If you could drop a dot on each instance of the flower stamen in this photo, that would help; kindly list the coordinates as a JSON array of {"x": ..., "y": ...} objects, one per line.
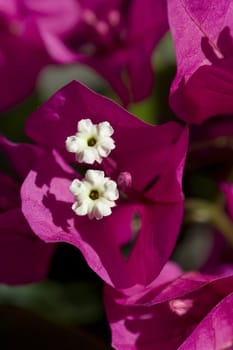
[
  {"x": 91, "y": 142},
  {"x": 94, "y": 195}
]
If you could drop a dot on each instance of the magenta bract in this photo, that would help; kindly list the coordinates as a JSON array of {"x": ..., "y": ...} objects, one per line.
[
  {"x": 153, "y": 156},
  {"x": 117, "y": 39},
  {"x": 23, "y": 257},
  {"x": 202, "y": 34},
  {"x": 25, "y": 28},
  {"x": 193, "y": 311}
]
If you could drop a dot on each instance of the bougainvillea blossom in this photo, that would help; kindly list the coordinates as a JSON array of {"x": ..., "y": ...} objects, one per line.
[
  {"x": 202, "y": 34},
  {"x": 95, "y": 195},
  {"x": 109, "y": 39},
  {"x": 192, "y": 311},
  {"x": 92, "y": 142},
  {"x": 24, "y": 258},
  {"x": 146, "y": 164}
]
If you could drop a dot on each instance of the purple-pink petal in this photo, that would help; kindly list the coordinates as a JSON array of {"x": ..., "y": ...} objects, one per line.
[
  {"x": 215, "y": 331},
  {"x": 20, "y": 156},
  {"x": 23, "y": 257},
  {"x": 46, "y": 193},
  {"x": 62, "y": 112},
  {"x": 135, "y": 139},
  {"x": 202, "y": 36},
  {"x": 153, "y": 156},
  {"x": 25, "y": 26},
  {"x": 182, "y": 314},
  {"x": 122, "y": 53}
]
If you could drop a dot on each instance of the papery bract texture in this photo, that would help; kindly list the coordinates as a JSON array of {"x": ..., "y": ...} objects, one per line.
[
  {"x": 24, "y": 258},
  {"x": 152, "y": 156},
  {"x": 117, "y": 39},
  {"x": 202, "y": 34},
  {"x": 193, "y": 311}
]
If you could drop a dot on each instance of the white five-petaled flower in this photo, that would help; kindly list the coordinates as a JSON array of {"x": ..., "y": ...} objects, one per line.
[
  {"x": 92, "y": 142},
  {"x": 95, "y": 195}
]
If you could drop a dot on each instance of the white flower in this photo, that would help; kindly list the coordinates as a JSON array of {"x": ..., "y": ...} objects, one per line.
[
  {"x": 95, "y": 195},
  {"x": 92, "y": 142}
]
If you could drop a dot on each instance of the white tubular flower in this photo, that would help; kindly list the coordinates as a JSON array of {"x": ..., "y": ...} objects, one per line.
[
  {"x": 95, "y": 195},
  {"x": 92, "y": 142}
]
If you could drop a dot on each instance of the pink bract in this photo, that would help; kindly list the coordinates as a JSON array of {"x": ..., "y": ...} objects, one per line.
[
  {"x": 25, "y": 27},
  {"x": 24, "y": 258},
  {"x": 116, "y": 38},
  {"x": 202, "y": 34},
  {"x": 153, "y": 155},
  {"x": 190, "y": 312}
]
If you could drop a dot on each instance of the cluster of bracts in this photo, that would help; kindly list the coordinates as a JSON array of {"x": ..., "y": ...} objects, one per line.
[{"x": 129, "y": 188}]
